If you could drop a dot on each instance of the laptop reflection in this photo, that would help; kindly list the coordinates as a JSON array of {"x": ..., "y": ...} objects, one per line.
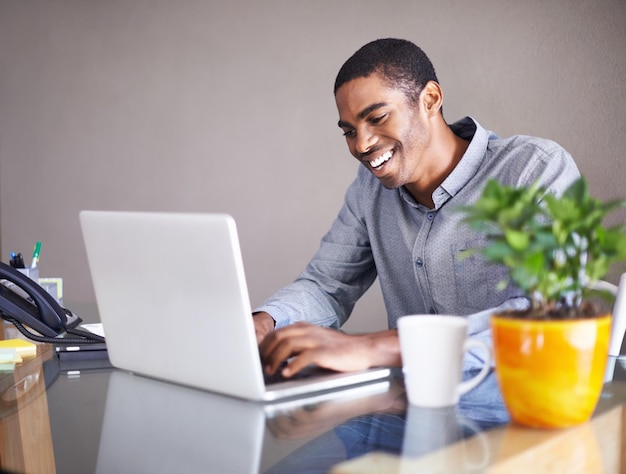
[{"x": 152, "y": 426}]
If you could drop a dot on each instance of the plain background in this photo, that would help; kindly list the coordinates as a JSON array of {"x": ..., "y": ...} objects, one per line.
[{"x": 198, "y": 106}]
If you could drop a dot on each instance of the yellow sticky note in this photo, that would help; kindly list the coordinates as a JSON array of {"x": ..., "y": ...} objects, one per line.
[
  {"x": 7, "y": 367},
  {"x": 8, "y": 356},
  {"x": 23, "y": 348}
]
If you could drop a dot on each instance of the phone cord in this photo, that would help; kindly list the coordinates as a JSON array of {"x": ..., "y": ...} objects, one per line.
[{"x": 86, "y": 337}]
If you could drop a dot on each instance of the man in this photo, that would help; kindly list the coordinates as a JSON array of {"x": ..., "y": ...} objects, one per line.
[{"x": 400, "y": 220}]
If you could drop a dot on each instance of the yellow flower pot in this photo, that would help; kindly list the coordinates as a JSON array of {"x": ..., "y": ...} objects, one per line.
[{"x": 550, "y": 372}]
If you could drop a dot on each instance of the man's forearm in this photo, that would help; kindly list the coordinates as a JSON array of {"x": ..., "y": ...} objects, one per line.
[{"x": 383, "y": 348}]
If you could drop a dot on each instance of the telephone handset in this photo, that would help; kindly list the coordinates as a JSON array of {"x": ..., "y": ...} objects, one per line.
[{"x": 24, "y": 303}]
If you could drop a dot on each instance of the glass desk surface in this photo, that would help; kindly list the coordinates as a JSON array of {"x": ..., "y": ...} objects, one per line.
[{"x": 102, "y": 420}]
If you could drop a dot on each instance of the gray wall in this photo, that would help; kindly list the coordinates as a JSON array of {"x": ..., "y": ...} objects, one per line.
[{"x": 197, "y": 105}]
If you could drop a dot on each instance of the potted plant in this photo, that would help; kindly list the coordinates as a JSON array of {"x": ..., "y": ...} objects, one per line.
[{"x": 550, "y": 359}]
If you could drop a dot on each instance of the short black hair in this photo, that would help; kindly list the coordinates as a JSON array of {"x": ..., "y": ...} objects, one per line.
[{"x": 401, "y": 63}]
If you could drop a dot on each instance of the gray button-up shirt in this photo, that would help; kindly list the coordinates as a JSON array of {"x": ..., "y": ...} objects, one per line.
[{"x": 416, "y": 251}]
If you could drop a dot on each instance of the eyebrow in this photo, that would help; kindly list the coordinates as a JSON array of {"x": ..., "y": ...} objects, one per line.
[{"x": 362, "y": 114}]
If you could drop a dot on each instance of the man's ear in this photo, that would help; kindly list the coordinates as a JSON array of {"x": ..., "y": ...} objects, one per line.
[{"x": 432, "y": 98}]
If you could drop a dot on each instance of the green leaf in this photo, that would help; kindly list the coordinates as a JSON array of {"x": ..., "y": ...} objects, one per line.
[
  {"x": 498, "y": 251},
  {"x": 516, "y": 239}
]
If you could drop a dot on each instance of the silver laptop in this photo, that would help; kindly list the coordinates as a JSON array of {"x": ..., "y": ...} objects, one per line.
[{"x": 173, "y": 301}]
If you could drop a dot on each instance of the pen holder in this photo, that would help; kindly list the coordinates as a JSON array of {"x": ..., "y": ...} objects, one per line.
[
  {"x": 32, "y": 273},
  {"x": 54, "y": 286}
]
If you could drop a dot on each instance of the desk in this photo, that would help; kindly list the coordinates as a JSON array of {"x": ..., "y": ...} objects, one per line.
[{"x": 108, "y": 421}]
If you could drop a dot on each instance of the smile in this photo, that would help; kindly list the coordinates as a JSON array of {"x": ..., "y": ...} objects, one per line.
[{"x": 378, "y": 162}]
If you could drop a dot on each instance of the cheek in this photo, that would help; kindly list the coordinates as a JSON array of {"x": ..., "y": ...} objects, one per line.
[{"x": 415, "y": 138}]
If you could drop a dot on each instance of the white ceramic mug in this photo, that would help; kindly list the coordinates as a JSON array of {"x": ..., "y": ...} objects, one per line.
[{"x": 432, "y": 348}]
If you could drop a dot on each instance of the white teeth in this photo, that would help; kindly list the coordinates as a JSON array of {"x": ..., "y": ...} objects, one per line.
[{"x": 380, "y": 160}]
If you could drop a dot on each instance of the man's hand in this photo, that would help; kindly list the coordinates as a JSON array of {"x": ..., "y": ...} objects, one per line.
[
  {"x": 263, "y": 325},
  {"x": 306, "y": 344}
]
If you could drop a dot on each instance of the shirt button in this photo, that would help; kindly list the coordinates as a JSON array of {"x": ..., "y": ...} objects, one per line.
[
  {"x": 419, "y": 263},
  {"x": 430, "y": 216}
]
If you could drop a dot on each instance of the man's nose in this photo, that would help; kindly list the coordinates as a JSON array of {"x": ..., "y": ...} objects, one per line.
[{"x": 365, "y": 141}]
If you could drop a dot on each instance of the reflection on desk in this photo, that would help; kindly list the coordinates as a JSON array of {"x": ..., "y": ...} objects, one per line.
[
  {"x": 111, "y": 421},
  {"x": 151, "y": 426},
  {"x": 598, "y": 446},
  {"x": 398, "y": 430}
]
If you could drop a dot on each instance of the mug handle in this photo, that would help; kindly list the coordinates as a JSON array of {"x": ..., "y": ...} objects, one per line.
[
  {"x": 467, "y": 385},
  {"x": 484, "y": 446}
]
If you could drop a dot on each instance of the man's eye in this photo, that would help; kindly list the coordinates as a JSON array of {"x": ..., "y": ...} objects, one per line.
[
  {"x": 378, "y": 118},
  {"x": 349, "y": 133}
]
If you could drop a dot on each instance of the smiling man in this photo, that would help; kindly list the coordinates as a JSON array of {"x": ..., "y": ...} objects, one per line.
[{"x": 400, "y": 220}]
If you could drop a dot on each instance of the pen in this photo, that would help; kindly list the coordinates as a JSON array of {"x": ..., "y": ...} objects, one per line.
[
  {"x": 36, "y": 252},
  {"x": 19, "y": 261}
]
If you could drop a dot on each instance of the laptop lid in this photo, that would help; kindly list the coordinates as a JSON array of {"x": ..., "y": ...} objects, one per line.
[{"x": 173, "y": 300}]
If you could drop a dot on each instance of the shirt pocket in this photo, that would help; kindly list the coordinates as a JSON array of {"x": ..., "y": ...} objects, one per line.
[{"x": 477, "y": 280}]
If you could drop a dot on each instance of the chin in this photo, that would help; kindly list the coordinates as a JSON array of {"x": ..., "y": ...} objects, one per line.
[{"x": 389, "y": 183}]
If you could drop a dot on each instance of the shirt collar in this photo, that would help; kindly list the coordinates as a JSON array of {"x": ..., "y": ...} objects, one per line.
[{"x": 468, "y": 129}]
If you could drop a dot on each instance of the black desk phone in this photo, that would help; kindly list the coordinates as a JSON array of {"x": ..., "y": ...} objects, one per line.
[{"x": 24, "y": 303}]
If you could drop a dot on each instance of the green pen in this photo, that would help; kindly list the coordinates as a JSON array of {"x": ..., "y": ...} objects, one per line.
[{"x": 36, "y": 252}]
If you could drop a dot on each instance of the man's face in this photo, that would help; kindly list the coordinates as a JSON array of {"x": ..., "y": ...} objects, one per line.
[{"x": 384, "y": 130}]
